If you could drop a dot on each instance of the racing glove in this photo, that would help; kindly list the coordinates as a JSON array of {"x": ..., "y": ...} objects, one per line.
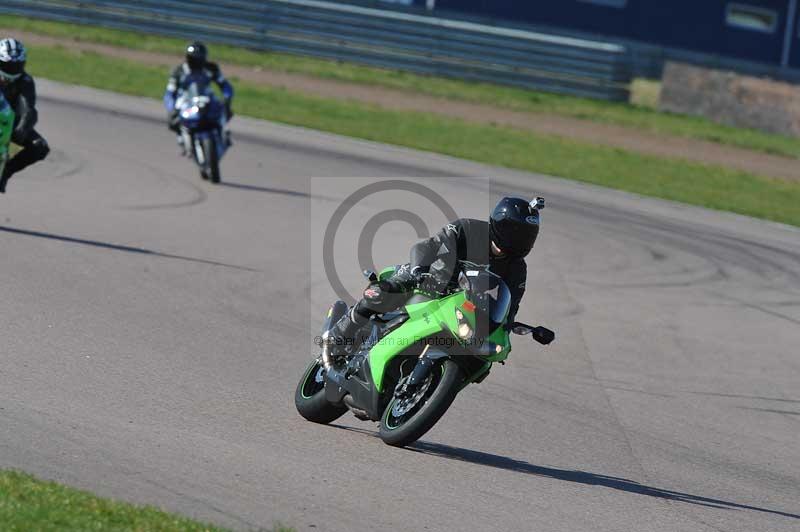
[{"x": 404, "y": 280}]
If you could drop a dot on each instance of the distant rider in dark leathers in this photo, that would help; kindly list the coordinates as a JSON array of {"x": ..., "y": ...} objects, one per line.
[
  {"x": 201, "y": 72},
  {"x": 20, "y": 91},
  {"x": 501, "y": 243}
]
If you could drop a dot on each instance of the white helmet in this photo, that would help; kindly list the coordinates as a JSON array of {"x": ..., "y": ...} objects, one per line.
[{"x": 12, "y": 59}]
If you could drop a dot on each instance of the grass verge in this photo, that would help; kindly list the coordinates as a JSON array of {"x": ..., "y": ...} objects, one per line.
[
  {"x": 27, "y": 503},
  {"x": 640, "y": 115},
  {"x": 693, "y": 183}
]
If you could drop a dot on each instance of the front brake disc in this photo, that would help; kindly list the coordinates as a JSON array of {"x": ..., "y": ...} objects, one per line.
[{"x": 403, "y": 406}]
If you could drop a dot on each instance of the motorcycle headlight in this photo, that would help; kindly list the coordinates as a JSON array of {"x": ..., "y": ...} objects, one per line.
[{"x": 464, "y": 329}]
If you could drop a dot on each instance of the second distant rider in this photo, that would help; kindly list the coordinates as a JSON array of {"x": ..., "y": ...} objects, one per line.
[
  {"x": 197, "y": 70},
  {"x": 19, "y": 90}
]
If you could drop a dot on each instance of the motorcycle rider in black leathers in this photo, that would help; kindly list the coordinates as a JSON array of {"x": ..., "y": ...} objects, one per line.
[
  {"x": 501, "y": 243},
  {"x": 20, "y": 91},
  {"x": 197, "y": 70}
]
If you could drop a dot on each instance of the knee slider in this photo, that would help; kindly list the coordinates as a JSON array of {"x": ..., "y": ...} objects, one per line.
[{"x": 40, "y": 149}]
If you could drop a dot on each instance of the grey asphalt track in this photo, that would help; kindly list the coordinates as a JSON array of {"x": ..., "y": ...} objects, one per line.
[{"x": 154, "y": 327}]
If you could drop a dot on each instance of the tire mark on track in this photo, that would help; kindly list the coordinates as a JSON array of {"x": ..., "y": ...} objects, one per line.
[
  {"x": 198, "y": 194},
  {"x": 750, "y": 304},
  {"x": 78, "y": 165},
  {"x": 742, "y": 396}
]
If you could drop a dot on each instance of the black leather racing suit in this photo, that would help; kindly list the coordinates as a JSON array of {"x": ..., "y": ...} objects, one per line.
[
  {"x": 463, "y": 239},
  {"x": 21, "y": 95}
]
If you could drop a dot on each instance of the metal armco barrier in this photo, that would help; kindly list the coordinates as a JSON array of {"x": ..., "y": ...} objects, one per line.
[{"x": 386, "y": 38}]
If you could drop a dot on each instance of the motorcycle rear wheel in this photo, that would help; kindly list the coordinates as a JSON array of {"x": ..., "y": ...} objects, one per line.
[
  {"x": 401, "y": 430},
  {"x": 309, "y": 397}
]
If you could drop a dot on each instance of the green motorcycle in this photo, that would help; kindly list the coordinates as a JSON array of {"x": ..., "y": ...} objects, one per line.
[
  {"x": 6, "y": 128},
  {"x": 406, "y": 366}
]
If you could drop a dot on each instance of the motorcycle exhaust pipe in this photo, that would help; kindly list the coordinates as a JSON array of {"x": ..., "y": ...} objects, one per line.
[
  {"x": 337, "y": 310},
  {"x": 327, "y": 345}
]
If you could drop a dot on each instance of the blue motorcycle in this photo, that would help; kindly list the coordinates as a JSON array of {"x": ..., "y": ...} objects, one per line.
[{"x": 201, "y": 119}]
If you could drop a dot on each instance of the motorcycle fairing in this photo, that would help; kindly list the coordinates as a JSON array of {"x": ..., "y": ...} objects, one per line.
[
  {"x": 425, "y": 320},
  {"x": 6, "y": 129},
  {"x": 358, "y": 383}
]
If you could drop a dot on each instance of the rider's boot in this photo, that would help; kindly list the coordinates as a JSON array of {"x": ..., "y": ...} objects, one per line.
[
  {"x": 12, "y": 167},
  {"x": 4, "y": 179},
  {"x": 226, "y": 132},
  {"x": 181, "y": 145},
  {"x": 32, "y": 152},
  {"x": 342, "y": 335}
]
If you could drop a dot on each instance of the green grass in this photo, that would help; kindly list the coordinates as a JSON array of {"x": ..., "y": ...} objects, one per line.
[
  {"x": 641, "y": 115},
  {"x": 27, "y": 504},
  {"x": 693, "y": 183}
]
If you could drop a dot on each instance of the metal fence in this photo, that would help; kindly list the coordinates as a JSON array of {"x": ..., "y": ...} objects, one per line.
[{"x": 387, "y": 38}]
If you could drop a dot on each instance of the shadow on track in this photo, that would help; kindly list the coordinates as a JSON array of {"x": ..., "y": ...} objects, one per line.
[
  {"x": 580, "y": 477},
  {"x": 116, "y": 247}
]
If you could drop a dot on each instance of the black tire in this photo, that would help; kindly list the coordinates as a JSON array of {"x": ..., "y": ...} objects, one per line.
[
  {"x": 309, "y": 398},
  {"x": 448, "y": 378},
  {"x": 212, "y": 159}
]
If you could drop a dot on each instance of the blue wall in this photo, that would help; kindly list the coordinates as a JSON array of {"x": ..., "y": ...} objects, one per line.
[{"x": 697, "y": 25}]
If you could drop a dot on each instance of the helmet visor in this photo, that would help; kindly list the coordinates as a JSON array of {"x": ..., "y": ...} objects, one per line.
[
  {"x": 11, "y": 70},
  {"x": 514, "y": 239},
  {"x": 195, "y": 62}
]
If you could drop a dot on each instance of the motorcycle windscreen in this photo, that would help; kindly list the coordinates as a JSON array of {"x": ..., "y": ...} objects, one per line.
[
  {"x": 500, "y": 304},
  {"x": 492, "y": 300}
]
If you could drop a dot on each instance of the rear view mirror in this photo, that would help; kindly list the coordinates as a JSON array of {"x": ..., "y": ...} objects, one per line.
[
  {"x": 543, "y": 335},
  {"x": 371, "y": 276}
]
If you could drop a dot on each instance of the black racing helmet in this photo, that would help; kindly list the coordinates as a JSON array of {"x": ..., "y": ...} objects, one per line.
[
  {"x": 514, "y": 225},
  {"x": 196, "y": 55}
]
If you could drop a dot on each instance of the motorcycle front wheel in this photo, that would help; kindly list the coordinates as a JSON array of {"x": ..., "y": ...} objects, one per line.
[
  {"x": 309, "y": 397},
  {"x": 211, "y": 167},
  {"x": 406, "y": 419}
]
